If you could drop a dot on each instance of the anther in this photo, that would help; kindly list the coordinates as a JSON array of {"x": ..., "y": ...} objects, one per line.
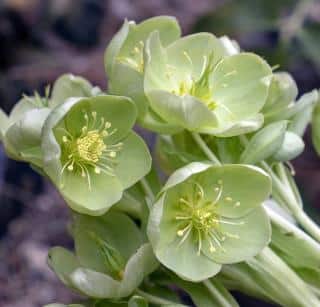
[
  {"x": 237, "y": 204},
  {"x": 228, "y": 198},
  {"x": 64, "y": 139}
]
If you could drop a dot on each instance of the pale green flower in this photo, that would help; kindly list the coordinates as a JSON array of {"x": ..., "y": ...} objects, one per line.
[
  {"x": 124, "y": 62},
  {"x": 196, "y": 84},
  {"x": 110, "y": 260},
  {"x": 207, "y": 216},
  {"x": 90, "y": 152}
]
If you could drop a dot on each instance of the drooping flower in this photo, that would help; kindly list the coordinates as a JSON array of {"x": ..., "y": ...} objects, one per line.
[
  {"x": 207, "y": 216},
  {"x": 103, "y": 266},
  {"x": 196, "y": 84},
  {"x": 90, "y": 152}
]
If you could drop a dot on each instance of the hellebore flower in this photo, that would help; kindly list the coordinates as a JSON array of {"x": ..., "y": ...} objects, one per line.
[
  {"x": 196, "y": 84},
  {"x": 21, "y": 130},
  {"x": 110, "y": 259},
  {"x": 90, "y": 152},
  {"x": 207, "y": 216},
  {"x": 124, "y": 62}
]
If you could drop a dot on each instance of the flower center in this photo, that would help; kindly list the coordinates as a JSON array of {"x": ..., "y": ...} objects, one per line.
[
  {"x": 135, "y": 58},
  {"x": 200, "y": 219},
  {"x": 88, "y": 150},
  {"x": 200, "y": 88},
  {"x": 91, "y": 146}
]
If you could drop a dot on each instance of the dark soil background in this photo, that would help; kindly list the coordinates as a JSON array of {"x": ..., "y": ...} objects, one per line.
[{"x": 39, "y": 40}]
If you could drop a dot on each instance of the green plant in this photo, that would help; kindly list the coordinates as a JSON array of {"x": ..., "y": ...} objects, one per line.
[{"x": 227, "y": 127}]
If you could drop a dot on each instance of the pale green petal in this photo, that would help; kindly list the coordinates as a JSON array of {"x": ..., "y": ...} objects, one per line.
[
  {"x": 115, "y": 46},
  {"x": 251, "y": 237},
  {"x": 116, "y": 229},
  {"x": 127, "y": 81},
  {"x": 190, "y": 52},
  {"x": 240, "y": 86},
  {"x": 119, "y": 111},
  {"x": 244, "y": 188},
  {"x": 23, "y": 138},
  {"x": 95, "y": 284},
  {"x": 63, "y": 263},
  {"x": 283, "y": 90},
  {"x": 105, "y": 191},
  {"x": 167, "y": 27},
  {"x": 134, "y": 160},
  {"x": 4, "y": 123},
  {"x": 20, "y": 108},
  {"x": 68, "y": 86},
  {"x": 292, "y": 146},
  {"x": 236, "y": 128},
  {"x": 153, "y": 122},
  {"x": 183, "y": 259},
  {"x": 184, "y": 173},
  {"x": 264, "y": 143},
  {"x": 186, "y": 111}
]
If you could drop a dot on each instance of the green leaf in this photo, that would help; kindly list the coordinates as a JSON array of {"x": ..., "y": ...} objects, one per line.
[{"x": 264, "y": 143}]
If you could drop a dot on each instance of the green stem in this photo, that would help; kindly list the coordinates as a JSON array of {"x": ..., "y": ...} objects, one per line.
[
  {"x": 286, "y": 193},
  {"x": 154, "y": 299},
  {"x": 291, "y": 228},
  {"x": 216, "y": 293},
  {"x": 147, "y": 189},
  {"x": 284, "y": 189},
  {"x": 204, "y": 147}
]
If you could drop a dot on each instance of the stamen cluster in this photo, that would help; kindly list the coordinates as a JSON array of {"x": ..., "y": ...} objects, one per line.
[
  {"x": 89, "y": 149},
  {"x": 201, "y": 220}
]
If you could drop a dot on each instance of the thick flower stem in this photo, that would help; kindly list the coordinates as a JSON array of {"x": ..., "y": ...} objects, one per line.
[
  {"x": 291, "y": 228},
  {"x": 204, "y": 147},
  {"x": 217, "y": 295},
  {"x": 284, "y": 190},
  {"x": 282, "y": 187},
  {"x": 154, "y": 299}
]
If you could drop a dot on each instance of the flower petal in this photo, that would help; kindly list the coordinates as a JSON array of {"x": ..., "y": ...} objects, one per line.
[
  {"x": 183, "y": 258},
  {"x": 240, "y": 86},
  {"x": 243, "y": 241},
  {"x": 115, "y": 228},
  {"x": 134, "y": 160},
  {"x": 244, "y": 187},
  {"x": 187, "y": 111}
]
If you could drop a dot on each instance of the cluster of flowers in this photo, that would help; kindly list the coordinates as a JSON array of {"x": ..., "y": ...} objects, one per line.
[{"x": 227, "y": 126}]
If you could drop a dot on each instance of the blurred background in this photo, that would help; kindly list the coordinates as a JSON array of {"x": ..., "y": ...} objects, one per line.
[{"x": 40, "y": 40}]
